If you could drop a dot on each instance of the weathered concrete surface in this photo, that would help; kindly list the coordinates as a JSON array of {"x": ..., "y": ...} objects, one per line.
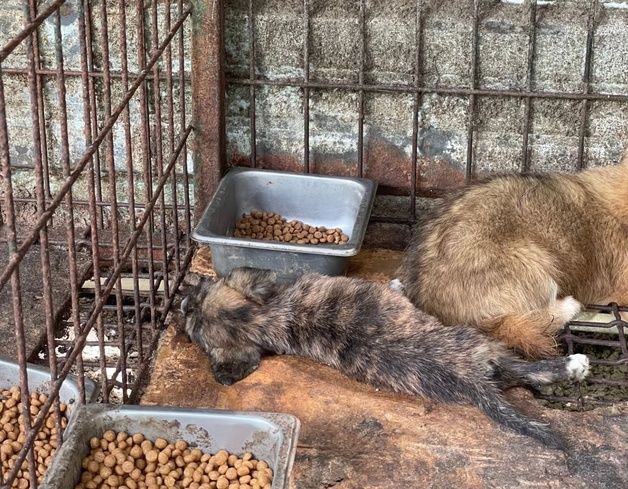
[
  {"x": 445, "y": 61},
  {"x": 32, "y": 298},
  {"x": 353, "y": 436}
]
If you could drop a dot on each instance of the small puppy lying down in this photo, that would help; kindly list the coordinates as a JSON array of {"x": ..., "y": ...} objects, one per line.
[{"x": 369, "y": 332}]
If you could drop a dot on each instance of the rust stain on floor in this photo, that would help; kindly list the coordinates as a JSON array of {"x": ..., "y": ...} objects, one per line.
[{"x": 353, "y": 436}]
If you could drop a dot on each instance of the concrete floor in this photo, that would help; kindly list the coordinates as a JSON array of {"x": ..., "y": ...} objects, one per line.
[
  {"x": 353, "y": 436},
  {"x": 32, "y": 297}
]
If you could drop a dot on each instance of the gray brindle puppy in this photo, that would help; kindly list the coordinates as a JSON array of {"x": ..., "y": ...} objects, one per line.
[{"x": 367, "y": 331}]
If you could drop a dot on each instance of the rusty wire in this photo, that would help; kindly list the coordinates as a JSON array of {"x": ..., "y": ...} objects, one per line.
[{"x": 120, "y": 244}]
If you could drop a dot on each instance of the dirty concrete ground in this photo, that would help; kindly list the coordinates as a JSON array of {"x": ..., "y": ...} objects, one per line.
[
  {"x": 32, "y": 297},
  {"x": 353, "y": 436}
]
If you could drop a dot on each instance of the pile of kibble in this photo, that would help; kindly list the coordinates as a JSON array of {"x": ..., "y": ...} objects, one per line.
[
  {"x": 13, "y": 434},
  {"x": 123, "y": 461},
  {"x": 271, "y": 226}
]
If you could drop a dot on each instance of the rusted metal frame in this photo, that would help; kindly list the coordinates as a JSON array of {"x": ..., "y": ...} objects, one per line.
[
  {"x": 170, "y": 101},
  {"x": 40, "y": 191},
  {"x": 470, "y": 167},
  {"x": 586, "y": 76},
  {"x": 81, "y": 202},
  {"x": 306, "y": 90},
  {"x": 602, "y": 381},
  {"x": 117, "y": 75},
  {"x": 99, "y": 301},
  {"x": 146, "y": 156},
  {"x": 113, "y": 193},
  {"x": 65, "y": 162},
  {"x": 80, "y": 166},
  {"x": 418, "y": 78},
  {"x": 392, "y": 88},
  {"x": 143, "y": 370},
  {"x": 525, "y": 154},
  {"x": 43, "y": 138},
  {"x": 29, "y": 28},
  {"x": 159, "y": 142},
  {"x": 252, "y": 76},
  {"x": 155, "y": 337},
  {"x": 93, "y": 109},
  {"x": 208, "y": 99},
  {"x": 362, "y": 22},
  {"x": 126, "y": 120},
  {"x": 182, "y": 124},
  {"x": 88, "y": 129}
]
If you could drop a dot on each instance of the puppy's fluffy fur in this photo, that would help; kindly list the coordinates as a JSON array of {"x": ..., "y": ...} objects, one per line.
[
  {"x": 517, "y": 255},
  {"x": 367, "y": 331}
]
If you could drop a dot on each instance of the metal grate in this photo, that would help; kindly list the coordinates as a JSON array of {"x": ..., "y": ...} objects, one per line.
[
  {"x": 99, "y": 173},
  {"x": 603, "y": 338},
  {"x": 473, "y": 92}
]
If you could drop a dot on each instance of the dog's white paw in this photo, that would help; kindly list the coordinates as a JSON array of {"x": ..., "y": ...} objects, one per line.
[
  {"x": 396, "y": 284},
  {"x": 569, "y": 308},
  {"x": 577, "y": 366}
]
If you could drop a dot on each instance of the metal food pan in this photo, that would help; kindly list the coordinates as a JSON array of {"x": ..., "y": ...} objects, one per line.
[
  {"x": 268, "y": 436},
  {"x": 333, "y": 202},
  {"x": 39, "y": 381}
]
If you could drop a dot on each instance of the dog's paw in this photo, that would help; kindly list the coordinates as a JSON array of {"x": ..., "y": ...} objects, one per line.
[
  {"x": 577, "y": 366},
  {"x": 396, "y": 284}
]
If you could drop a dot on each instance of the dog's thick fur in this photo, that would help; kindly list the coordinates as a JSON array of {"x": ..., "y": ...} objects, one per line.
[
  {"x": 367, "y": 331},
  {"x": 517, "y": 255}
]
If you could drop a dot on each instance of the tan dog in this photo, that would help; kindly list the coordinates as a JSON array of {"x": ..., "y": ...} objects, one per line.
[{"x": 516, "y": 256}]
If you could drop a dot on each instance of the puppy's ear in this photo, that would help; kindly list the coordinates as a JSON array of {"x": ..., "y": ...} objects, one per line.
[
  {"x": 254, "y": 284},
  {"x": 193, "y": 294}
]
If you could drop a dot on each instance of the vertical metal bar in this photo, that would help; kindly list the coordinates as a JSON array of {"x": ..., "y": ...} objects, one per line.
[
  {"x": 40, "y": 102},
  {"x": 418, "y": 74},
  {"x": 146, "y": 158},
  {"x": 474, "y": 76},
  {"x": 94, "y": 212},
  {"x": 65, "y": 161},
  {"x": 113, "y": 194},
  {"x": 159, "y": 149},
  {"x": 361, "y": 92},
  {"x": 525, "y": 154},
  {"x": 306, "y": 90},
  {"x": 36, "y": 100},
  {"x": 93, "y": 109},
  {"x": 584, "y": 105},
  {"x": 182, "y": 122},
  {"x": 170, "y": 100},
  {"x": 208, "y": 99},
  {"x": 252, "y": 77},
  {"x": 128, "y": 144}
]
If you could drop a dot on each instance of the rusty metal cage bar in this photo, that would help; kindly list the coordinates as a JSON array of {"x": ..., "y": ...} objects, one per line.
[{"x": 119, "y": 235}]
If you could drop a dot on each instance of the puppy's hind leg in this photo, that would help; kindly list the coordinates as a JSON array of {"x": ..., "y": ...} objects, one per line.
[
  {"x": 513, "y": 371},
  {"x": 532, "y": 334}
]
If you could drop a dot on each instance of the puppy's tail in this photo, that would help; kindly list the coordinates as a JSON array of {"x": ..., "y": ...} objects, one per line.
[
  {"x": 495, "y": 407},
  {"x": 449, "y": 387}
]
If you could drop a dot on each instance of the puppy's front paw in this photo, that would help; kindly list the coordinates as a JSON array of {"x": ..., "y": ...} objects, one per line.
[
  {"x": 577, "y": 366},
  {"x": 230, "y": 373}
]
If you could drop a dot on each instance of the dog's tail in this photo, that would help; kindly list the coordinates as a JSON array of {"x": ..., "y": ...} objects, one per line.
[{"x": 447, "y": 386}]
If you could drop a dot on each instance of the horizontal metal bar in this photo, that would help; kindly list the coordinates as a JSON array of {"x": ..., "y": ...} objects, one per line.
[
  {"x": 45, "y": 216},
  {"x": 436, "y": 90},
  {"x": 82, "y": 202},
  {"x": 29, "y": 29},
  {"x": 78, "y": 74}
]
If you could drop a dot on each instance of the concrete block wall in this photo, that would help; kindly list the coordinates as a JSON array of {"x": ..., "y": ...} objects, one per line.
[
  {"x": 445, "y": 61},
  {"x": 12, "y": 19}
]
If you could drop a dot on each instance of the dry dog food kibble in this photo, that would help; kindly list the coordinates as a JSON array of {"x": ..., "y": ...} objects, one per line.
[
  {"x": 271, "y": 226},
  {"x": 13, "y": 434},
  {"x": 122, "y": 461}
]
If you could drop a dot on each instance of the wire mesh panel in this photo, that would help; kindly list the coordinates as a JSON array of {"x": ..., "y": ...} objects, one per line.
[
  {"x": 96, "y": 198},
  {"x": 422, "y": 96}
]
